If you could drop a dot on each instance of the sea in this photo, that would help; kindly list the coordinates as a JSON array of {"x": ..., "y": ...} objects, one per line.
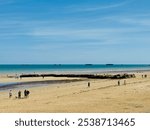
[{"x": 70, "y": 68}]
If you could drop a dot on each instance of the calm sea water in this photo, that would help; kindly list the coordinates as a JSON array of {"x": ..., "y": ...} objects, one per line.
[{"x": 14, "y": 69}]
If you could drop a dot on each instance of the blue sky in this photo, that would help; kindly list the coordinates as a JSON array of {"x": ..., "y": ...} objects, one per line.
[{"x": 74, "y": 31}]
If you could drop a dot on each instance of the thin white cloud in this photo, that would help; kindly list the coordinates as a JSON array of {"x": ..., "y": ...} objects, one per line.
[
  {"x": 98, "y": 7},
  {"x": 134, "y": 20},
  {"x": 92, "y": 37},
  {"x": 82, "y": 32}
]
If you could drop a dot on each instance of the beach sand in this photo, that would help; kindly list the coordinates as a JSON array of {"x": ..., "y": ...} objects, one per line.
[{"x": 104, "y": 95}]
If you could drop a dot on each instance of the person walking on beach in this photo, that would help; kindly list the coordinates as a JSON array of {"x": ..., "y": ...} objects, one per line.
[
  {"x": 10, "y": 93},
  {"x": 119, "y": 83},
  {"x": 25, "y": 93},
  {"x": 89, "y": 84},
  {"x": 125, "y": 82},
  {"x": 19, "y": 94}
]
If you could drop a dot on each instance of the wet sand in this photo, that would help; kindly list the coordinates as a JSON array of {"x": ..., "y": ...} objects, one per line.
[{"x": 104, "y": 95}]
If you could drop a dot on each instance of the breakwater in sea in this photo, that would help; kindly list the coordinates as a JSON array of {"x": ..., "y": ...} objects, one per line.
[{"x": 91, "y": 76}]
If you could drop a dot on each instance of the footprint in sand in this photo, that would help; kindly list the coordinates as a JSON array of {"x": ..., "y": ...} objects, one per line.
[
  {"x": 108, "y": 98},
  {"x": 126, "y": 108},
  {"x": 136, "y": 105}
]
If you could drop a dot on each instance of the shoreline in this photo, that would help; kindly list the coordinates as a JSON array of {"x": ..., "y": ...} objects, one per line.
[
  {"x": 31, "y": 84},
  {"x": 63, "y": 78},
  {"x": 5, "y": 74}
]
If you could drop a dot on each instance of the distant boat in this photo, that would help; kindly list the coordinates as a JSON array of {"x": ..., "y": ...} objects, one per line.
[
  {"x": 57, "y": 64},
  {"x": 88, "y": 64},
  {"x": 109, "y": 64}
]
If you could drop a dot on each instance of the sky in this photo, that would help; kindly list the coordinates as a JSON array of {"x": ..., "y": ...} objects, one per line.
[{"x": 74, "y": 31}]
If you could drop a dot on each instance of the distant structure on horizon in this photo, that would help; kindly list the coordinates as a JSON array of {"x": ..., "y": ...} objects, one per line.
[
  {"x": 88, "y": 64},
  {"x": 109, "y": 64}
]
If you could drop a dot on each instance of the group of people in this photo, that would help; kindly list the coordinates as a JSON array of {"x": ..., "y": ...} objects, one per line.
[
  {"x": 26, "y": 94},
  {"x": 119, "y": 83},
  {"x": 144, "y": 76}
]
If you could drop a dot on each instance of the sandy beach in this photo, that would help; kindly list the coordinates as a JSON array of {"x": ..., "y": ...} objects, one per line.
[{"x": 103, "y": 95}]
